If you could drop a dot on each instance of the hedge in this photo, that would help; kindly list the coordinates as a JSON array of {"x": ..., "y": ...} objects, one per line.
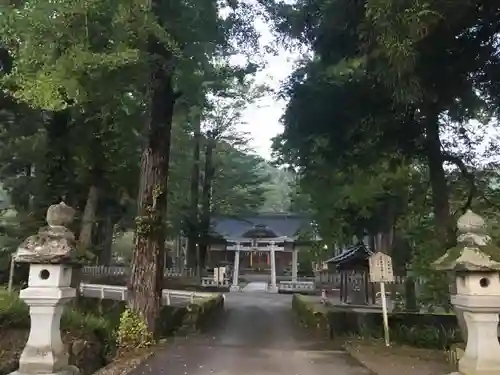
[{"x": 437, "y": 331}]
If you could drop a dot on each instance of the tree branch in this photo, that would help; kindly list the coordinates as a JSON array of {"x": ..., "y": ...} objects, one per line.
[{"x": 467, "y": 175}]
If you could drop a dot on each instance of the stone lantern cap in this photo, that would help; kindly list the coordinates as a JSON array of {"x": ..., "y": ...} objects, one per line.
[
  {"x": 474, "y": 251},
  {"x": 53, "y": 244}
]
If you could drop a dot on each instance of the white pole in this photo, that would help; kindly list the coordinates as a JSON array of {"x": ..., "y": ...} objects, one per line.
[
  {"x": 11, "y": 273},
  {"x": 384, "y": 314},
  {"x": 274, "y": 288},
  {"x": 235, "y": 286},
  {"x": 295, "y": 263}
]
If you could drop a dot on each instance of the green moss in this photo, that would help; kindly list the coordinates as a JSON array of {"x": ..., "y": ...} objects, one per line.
[
  {"x": 311, "y": 315},
  {"x": 200, "y": 314},
  {"x": 454, "y": 253}
]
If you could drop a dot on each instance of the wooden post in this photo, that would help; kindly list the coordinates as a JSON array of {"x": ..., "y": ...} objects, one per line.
[
  {"x": 366, "y": 287},
  {"x": 341, "y": 286},
  {"x": 381, "y": 271}
]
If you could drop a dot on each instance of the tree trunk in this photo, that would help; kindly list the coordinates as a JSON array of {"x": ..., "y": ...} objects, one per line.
[
  {"x": 106, "y": 239},
  {"x": 193, "y": 221},
  {"x": 445, "y": 227},
  {"x": 145, "y": 287},
  {"x": 206, "y": 200},
  {"x": 88, "y": 218},
  {"x": 58, "y": 165}
]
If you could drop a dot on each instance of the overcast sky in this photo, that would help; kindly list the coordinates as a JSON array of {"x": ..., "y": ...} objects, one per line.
[{"x": 261, "y": 120}]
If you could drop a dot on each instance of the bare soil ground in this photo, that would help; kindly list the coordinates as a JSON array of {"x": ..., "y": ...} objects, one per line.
[
  {"x": 398, "y": 360},
  {"x": 11, "y": 345}
]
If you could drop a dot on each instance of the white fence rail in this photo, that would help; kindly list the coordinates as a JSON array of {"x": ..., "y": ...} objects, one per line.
[
  {"x": 119, "y": 293},
  {"x": 119, "y": 271},
  {"x": 210, "y": 281},
  {"x": 325, "y": 277},
  {"x": 296, "y": 286}
]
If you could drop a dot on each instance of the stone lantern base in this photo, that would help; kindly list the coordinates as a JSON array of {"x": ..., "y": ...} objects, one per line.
[
  {"x": 69, "y": 370},
  {"x": 47, "y": 293}
]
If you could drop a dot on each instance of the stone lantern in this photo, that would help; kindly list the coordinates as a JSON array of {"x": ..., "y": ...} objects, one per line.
[
  {"x": 50, "y": 254},
  {"x": 475, "y": 263}
]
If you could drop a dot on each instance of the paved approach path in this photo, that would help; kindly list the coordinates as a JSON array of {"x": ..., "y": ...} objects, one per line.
[{"x": 257, "y": 335}]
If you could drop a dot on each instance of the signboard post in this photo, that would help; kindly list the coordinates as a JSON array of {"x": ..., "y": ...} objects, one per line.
[{"x": 381, "y": 272}]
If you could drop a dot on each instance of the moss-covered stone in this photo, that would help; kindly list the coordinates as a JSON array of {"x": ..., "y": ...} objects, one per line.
[
  {"x": 313, "y": 316},
  {"x": 463, "y": 258},
  {"x": 474, "y": 251},
  {"x": 202, "y": 313}
]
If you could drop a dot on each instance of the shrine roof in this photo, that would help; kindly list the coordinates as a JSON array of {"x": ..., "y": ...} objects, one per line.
[
  {"x": 352, "y": 254},
  {"x": 259, "y": 225}
]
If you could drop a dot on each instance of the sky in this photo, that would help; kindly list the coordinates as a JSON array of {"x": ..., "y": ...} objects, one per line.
[{"x": 262, "y": 119}]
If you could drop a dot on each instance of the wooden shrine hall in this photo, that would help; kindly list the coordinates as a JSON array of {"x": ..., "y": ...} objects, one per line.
[
  {"x": 261, "y": 243},
  {"x": 352, "y": 266}
]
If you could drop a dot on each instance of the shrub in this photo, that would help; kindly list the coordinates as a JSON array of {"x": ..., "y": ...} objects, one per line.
[
  {"x": 133, "y": 332},
  {"x": 13, "y": 312}
]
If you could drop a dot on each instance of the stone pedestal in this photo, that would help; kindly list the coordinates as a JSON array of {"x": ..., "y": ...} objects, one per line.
[
  {"x": 475, "y": 262},
  {"x": 50, "y": 254},
  {"x": 47, "y": 292},
  {"x": 482, "y": 354}
]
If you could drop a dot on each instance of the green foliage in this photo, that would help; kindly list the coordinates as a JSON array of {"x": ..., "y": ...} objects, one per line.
[
  {"x": 240, "y": 184},
  {"x": 133, "y": 332},
  {"x": 13, "y": 311},
  {"x": 89, "y": 60},
  {"x": 279, "y": 190},
  {"x": 392, "y": 88}
]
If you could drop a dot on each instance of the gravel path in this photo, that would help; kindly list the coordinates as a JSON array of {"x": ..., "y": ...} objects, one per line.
[{"x": 256, "y": 336}]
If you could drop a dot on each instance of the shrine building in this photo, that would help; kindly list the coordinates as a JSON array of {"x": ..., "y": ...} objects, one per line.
[{"x": 256, "y": 238}]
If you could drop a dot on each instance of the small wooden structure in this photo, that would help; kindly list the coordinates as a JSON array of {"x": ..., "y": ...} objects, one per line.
[{"x": 352, "y": 264}]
